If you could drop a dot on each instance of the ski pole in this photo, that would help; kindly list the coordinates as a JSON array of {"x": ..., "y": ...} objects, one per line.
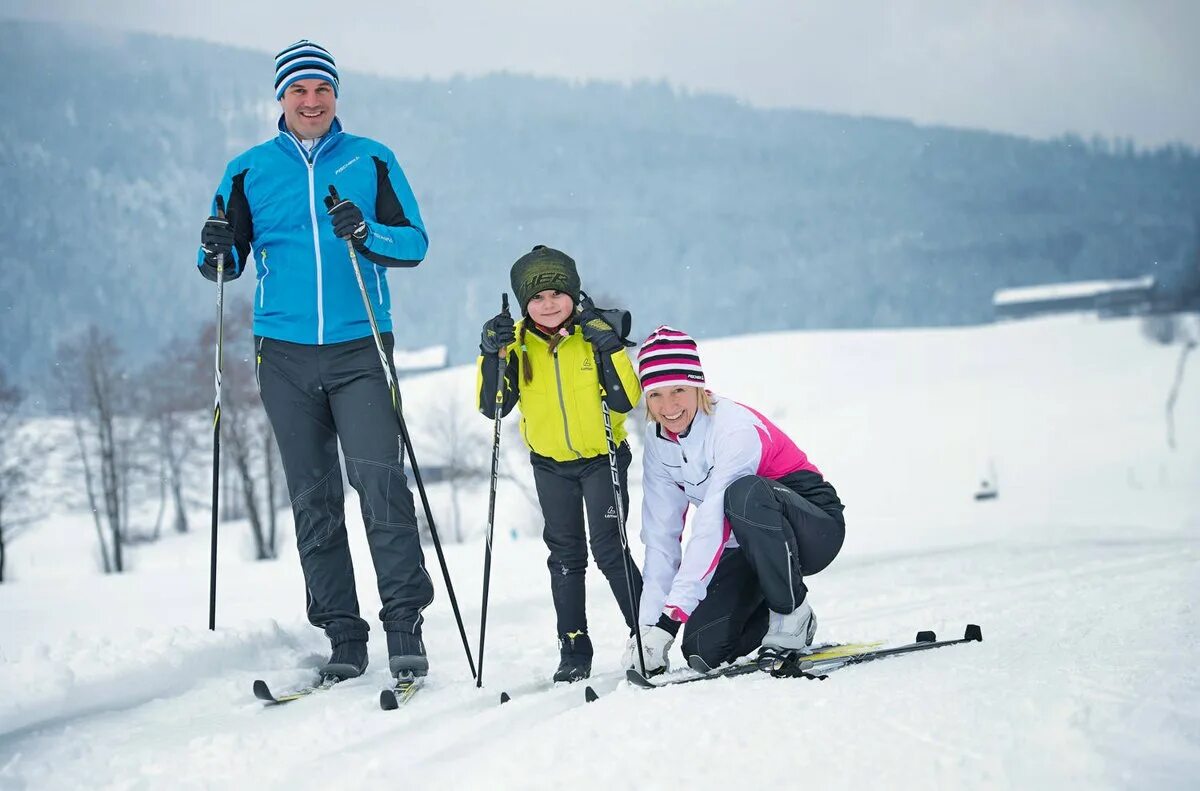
[
  {"x": 404, "y": 439},
  {"x": 616, "y": 487},
  {"x": 501, "y": 365},
  {"x": 212, "y": 572}
]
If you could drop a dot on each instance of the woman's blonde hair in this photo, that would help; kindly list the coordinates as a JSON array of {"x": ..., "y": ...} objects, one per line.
[{"x": 704, "y": 403}]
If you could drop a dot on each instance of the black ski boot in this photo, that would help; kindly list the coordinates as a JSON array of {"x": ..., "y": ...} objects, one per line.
[
  {"x": 406, "y": 653},
  {"x": 575, "y": 652},
  {"x": 349, "y": 658}
]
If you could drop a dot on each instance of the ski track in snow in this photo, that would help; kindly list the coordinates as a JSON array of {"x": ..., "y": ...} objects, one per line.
[{"x": 947, "y": 717}]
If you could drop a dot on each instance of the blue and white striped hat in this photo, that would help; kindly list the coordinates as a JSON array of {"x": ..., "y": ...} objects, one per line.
[{"x": 304, "y": 60}]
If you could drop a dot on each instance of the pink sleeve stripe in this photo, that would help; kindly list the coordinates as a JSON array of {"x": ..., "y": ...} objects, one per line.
[{"x": 725, "y": 531}]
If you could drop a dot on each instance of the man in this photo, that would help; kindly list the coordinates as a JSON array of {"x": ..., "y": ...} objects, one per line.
[{"x": 319, "y": 372}]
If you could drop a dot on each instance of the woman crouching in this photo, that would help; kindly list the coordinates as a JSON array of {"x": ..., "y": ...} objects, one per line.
[{"x": 765, "y": 519}]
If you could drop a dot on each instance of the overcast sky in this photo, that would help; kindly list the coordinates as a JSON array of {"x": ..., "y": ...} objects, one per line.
[{"x": 1113, "y": 67}]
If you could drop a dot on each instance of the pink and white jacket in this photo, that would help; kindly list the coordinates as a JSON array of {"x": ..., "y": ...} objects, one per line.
[{"x": 695, "y": 469}]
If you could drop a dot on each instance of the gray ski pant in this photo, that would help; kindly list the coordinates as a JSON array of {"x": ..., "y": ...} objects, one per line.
[
  {"x": 783, "y": 538},
  {"x": 315, "y": 396}
]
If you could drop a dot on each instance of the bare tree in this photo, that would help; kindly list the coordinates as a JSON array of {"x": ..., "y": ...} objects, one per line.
[
  {"x": 17, "y": 454},
  {"x": 172, "y": 399},
  {"x": 92, "y": 376},
  {"x": 461, "y": 452},
  {"x": 462, "y": 456},
  {"x": 1182, "y": 329},
  {"x": 251, "y": 488}
]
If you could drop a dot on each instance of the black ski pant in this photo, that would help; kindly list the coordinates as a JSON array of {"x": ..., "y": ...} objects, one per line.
[
  {"x": 314, "y": 397},
  {"x": 565, "y": 489},
  {"x": 782, "y": 539}
]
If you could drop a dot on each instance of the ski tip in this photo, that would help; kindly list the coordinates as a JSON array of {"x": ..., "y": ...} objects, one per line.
[
  {"x": 926, "y": 637},
  {"x": 589, "y": 694},
  {"x": 638, "y": 680},
  {"x": 973, "y": 633},
  {"x": 387, "y": 700},
  {"x": 504, "y": 698},
  {"x": 261, "y": 691}
]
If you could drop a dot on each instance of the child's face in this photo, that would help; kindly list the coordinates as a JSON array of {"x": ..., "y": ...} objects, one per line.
[
  {"x": 550, "y": 308},
  {"x": 673, "y": 406}
]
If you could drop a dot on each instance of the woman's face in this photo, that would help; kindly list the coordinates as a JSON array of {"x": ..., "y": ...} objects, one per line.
[
  {"x": 550, "y": 308},
  {"x": 673, "y": 406}
]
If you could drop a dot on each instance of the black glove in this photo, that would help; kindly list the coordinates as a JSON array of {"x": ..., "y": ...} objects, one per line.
[
  {"x": 498, "y": 332},
  {"x": 217, "y": 239},
  {"x": 598, "y": 332},
  {"x": 348, "y": 222}
]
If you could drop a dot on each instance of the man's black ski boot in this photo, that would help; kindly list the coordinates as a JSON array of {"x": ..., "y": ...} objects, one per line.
[
  {"x": 406, "y": 654},
  {"x": 575, "y": 652},
  {"x": 349, "y": 658}
]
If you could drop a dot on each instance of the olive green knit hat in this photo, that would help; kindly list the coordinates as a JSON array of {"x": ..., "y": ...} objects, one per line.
[{"x": 542, "y": 268}]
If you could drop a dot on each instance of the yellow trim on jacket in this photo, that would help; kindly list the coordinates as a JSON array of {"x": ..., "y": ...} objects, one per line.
[{"x": 560, "y": 408}]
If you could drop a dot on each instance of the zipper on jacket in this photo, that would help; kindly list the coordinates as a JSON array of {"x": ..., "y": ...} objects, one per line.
[
  {"x": 312, "y": 213},
  {"x": 562, "y": 403},
  {"x": 312, "y": 210},
  {"x": 262, "y": 283}
]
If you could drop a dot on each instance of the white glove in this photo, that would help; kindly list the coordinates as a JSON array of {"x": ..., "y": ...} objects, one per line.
[{"x": 656, "y": 642}]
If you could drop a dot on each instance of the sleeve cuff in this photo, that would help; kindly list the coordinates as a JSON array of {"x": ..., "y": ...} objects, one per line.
[{"x": 668, "y": 625}]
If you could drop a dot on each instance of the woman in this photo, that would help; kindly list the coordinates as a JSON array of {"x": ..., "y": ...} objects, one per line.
[{"x": 765, "y": 519}]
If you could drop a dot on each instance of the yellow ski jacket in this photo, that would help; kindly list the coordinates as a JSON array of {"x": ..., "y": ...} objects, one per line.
[{"x": 560, "y": 407}]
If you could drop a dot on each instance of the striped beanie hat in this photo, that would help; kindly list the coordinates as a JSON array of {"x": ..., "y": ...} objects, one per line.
[
  {"x": 304, "y": 60},
  {"x": 669, "y": 358}
]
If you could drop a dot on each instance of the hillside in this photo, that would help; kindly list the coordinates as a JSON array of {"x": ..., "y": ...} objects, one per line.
[{"x": 690, "y": 207}]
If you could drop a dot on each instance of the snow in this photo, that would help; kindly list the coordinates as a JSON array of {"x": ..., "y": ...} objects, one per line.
[
  {"x": 1083, "y": 574},
  {"x": 421, "y": 359},
  {"x": 1074, "y": 290}
]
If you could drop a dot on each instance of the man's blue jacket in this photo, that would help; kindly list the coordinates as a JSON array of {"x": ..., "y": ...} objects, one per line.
[{"x": 274, "y": 198}]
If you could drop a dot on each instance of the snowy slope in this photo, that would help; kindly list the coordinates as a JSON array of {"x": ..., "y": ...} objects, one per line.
[{"x": 1083, "y": 575}]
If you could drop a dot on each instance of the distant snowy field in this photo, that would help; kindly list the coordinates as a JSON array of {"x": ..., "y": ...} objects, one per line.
[{"x": 1083, "y": 574}]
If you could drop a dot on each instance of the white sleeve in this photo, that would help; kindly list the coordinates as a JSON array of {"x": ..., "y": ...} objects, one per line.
[
  {"x": 737, "y": 453},
  {"x": 664, "y": 506}
]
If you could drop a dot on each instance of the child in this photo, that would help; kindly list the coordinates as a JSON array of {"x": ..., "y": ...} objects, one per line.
[
  {"x": 766, "y": 519},
  {"x": 552, "y": 355}
]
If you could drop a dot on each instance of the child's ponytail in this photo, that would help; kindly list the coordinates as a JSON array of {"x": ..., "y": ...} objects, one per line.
[{"x": 525, "y": 355}]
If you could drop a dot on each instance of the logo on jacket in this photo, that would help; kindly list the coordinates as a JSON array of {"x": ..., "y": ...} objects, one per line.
[{"x": 343, "y": 167}]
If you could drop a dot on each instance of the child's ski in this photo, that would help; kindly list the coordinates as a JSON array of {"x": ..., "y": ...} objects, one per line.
[{"x": 401, "y": 692}]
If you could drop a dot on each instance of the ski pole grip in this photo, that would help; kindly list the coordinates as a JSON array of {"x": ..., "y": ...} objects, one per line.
[
  {"x": 220, "y": 207},
  {"x": 504, "y": 303},
  {"x": 332, "y": 198}
]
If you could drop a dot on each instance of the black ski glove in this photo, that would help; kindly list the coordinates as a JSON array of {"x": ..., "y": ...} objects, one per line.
[
  {"x": 498, "y": 332},
  {"x": 217, "y": 239},
  {"x": 598, "y": 332},
  {"x": 348, "y": 222}
]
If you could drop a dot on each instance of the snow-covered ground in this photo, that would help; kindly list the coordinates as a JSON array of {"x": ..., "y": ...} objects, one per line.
[{"x": 1083, "y": 574}]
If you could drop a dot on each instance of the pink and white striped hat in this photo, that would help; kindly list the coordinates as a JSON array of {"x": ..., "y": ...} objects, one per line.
[{"x": 668, "y": 358}]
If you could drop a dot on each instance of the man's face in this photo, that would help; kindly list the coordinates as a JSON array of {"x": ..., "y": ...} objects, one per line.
[{"x": 308, "y": 108}]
